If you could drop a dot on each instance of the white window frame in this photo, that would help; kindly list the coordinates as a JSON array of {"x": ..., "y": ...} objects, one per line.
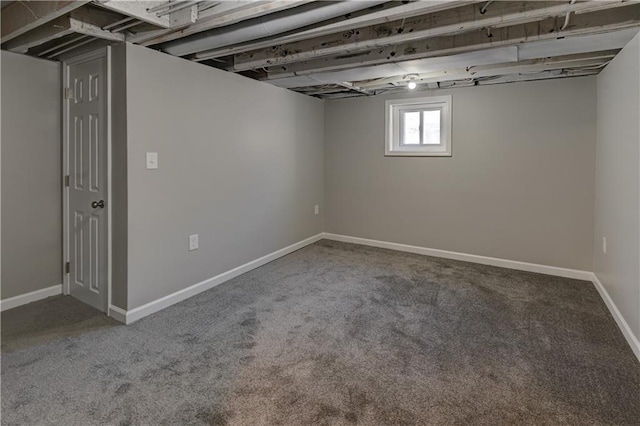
[{"x": 393, "y": 127}]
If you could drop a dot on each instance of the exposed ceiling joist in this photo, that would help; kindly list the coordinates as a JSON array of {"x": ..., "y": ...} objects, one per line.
[
  {"x": 452, "y": 84},
  {"x": 80, "y": 42},
  {"x": 545, "y": 75},
  {"x": 81, "y": 26},
  {"x": 448, "y": 22},
  {"x": 349, "y": 48},
  {"x": 72, "y": 41},
  {"x": 268, "y": 26},
  {"x": 227, "y": 13},
  {"x": 23, "y": 16},
  {"x": 355, "y": 88},
  {"x": 314, "y": 90},
  {"x": 589, "y": 23},
  {"x": 218, "y": 9},
  {"x": 385, "y": 15},
  {"x": 582, "y": 60},
  {"x": 52, "y": 30},
  {"x": 333, "y": 96},
  {"x": 80, "y": 21}
]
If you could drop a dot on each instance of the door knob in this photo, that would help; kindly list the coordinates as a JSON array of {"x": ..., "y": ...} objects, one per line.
[{"x": 97, "y": 204}]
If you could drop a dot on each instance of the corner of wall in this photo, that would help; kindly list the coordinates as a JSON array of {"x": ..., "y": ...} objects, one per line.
[
  {"x": 617, "y": 200},
  {"x": 119, "y": 190}
]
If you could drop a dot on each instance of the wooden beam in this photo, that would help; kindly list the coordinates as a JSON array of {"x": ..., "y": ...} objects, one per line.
[
  {"x": 583, "y": 24},
  {"x": 232, "y": 14},
  {"x": 389, "y": 12},
  {"x": 93, "y": 30},
  {"x": 448, "y": 22},
  {"x": 22, "y": 16}
]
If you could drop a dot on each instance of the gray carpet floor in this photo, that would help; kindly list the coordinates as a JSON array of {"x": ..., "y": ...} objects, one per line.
[{"x": 332, "y": 334}]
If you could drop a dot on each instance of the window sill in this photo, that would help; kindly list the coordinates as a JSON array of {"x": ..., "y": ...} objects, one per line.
[{"x": 417, "y": 154}]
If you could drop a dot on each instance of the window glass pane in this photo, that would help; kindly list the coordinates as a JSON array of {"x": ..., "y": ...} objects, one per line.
[
  {"x": 431, "y": 129},
  {"x": 411, "y": 128}
]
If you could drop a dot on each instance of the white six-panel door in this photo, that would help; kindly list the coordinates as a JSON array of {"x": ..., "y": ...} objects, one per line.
[{"x": 86, "y": 103}]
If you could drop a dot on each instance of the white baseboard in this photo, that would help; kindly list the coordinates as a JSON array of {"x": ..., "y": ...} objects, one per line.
[
  {"x": 118, "y": 314},
  {"x": 23, "y": 299},
  {"x": 484, "y": 260},
  {"x": 135, "y": 314},
  {"x": 511, "y": 264},
  {"x": 615, "y": 313}
]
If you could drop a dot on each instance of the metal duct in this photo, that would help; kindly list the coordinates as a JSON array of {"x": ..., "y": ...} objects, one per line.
[{"x": 264, "y": 26}]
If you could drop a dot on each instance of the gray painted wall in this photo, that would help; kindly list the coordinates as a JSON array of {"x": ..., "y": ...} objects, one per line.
[
  {"x": 240, "y": 164},
  {"x": 520, "y": 183},
  {"x": 31, "y": 175},
  {"x": 239, "y": 158},
  {"x": 617, "y": 203}
]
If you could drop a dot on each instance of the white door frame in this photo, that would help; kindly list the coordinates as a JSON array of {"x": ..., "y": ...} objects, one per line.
[{"x": 66, "y": 255}]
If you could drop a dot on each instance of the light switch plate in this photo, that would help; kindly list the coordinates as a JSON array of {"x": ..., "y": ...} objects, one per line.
[
  {"x": 316, "y": 209},
  {"x": 152, "y": 160},
  {"x": 193, "y": 242}
]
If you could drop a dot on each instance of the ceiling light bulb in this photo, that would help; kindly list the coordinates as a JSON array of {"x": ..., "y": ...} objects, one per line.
[{"x": 412, "y": 85}]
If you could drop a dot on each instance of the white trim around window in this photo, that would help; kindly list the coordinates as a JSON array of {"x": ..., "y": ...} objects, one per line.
[{"x": 419, "y": 138}]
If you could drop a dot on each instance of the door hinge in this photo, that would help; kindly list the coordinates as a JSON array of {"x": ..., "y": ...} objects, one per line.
[
  {"x": 66, "y": 180},
  {"x": 67, "y": 267},
  {"x": 68, "y": 93}
]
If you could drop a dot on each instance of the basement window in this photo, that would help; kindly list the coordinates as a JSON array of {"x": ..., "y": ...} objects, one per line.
[{"x": 418, "y": 127}]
